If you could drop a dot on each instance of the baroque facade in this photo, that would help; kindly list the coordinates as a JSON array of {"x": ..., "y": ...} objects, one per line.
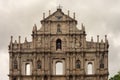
[{"x": 58, "y": 51}]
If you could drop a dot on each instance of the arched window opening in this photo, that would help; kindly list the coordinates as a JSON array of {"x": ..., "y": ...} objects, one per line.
[
  {"x": 70, "y": 77},
  {"x": 45, "y": 77},
  {"x": 14, "y": 78},
  {"x": 58, "y": 28},
  {"x": 90, "y": 68},
  {"x": 15, "y": 64},
  {"x": 59, "y": 68},
  {"x": 78, "y": 64},
  {"x": 38, "y": 64},
  {"x": 58, "y": 44},
  {"x": 27, "y": 69}
]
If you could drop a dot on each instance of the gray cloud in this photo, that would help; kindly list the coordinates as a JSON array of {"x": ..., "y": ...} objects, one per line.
[{"x": 99, "y": 16}]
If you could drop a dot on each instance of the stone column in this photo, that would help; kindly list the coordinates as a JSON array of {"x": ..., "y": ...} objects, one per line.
[
  {"x": 19, "y": 66},
  {"x": 46, "y": 62},
  {"x": 34, "y": 64},
  {"x": 10, "y": 78},
  {"x": 10, "y": 63},
  {"x": 97, "y": 62},
  {"x": 34, "y": 78},
  {"x": 98, "y": 78},
  {"x": 43, "y": 63},
  {"x": 74, "y": 77},
  {"x": 49, "y": 64},
  {"x": 73, "y": 63},
  {"x": 67, "y": 78},
  {"x": 67, "y": 64},
  {"x": 83, "y": 62},
  {"x": 106, "y": 62}
]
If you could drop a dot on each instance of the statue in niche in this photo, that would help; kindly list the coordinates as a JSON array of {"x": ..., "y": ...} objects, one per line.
[
  {"x": 78, "y": 64},
  {"x": 15, "y": 64},
  {"x": 46, "y": 42},
  {"x": 58, "y": 44},
  {"x": 75, "y": 45},
  {"x": 78, "y": 43},
  {"x": 58, "y": 28},
  {"x": 102, "y": 61},
  {"x": 39, "y": 41},
  {"x": 73, "y": 42},
  {"x": 38, "y": 64}
]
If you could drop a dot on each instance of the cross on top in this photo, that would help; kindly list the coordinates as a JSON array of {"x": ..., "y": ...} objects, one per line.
[{"x": 59, "y": 7}]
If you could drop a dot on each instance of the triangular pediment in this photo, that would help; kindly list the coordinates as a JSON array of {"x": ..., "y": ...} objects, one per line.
[{"x": 58, "y": 16}]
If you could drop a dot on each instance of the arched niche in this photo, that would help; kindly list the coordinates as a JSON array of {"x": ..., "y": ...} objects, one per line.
[
  {"x": 58, "y": 44},
  {"x": 90, "y": 67},
  {"x": 27, "y": 69},
  {"x": 58, "y": 67}
]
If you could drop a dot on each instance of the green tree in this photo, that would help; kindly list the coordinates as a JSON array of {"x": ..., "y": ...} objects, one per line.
[{"x": 115, "y": 77}]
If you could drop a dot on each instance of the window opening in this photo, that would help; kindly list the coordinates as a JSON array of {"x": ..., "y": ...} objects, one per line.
[
  {"x": 59, "y": 68},
  {"x": 27, "y": 69},
  {"x": 90, "y": 68},
  {"x": 58, "y": 44}
]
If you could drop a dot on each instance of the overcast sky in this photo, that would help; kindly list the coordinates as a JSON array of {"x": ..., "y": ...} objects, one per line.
[{"x": 100, "y": 17}]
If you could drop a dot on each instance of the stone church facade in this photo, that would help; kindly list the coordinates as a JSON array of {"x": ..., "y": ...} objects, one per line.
[{"x": 58, "y": 51}]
